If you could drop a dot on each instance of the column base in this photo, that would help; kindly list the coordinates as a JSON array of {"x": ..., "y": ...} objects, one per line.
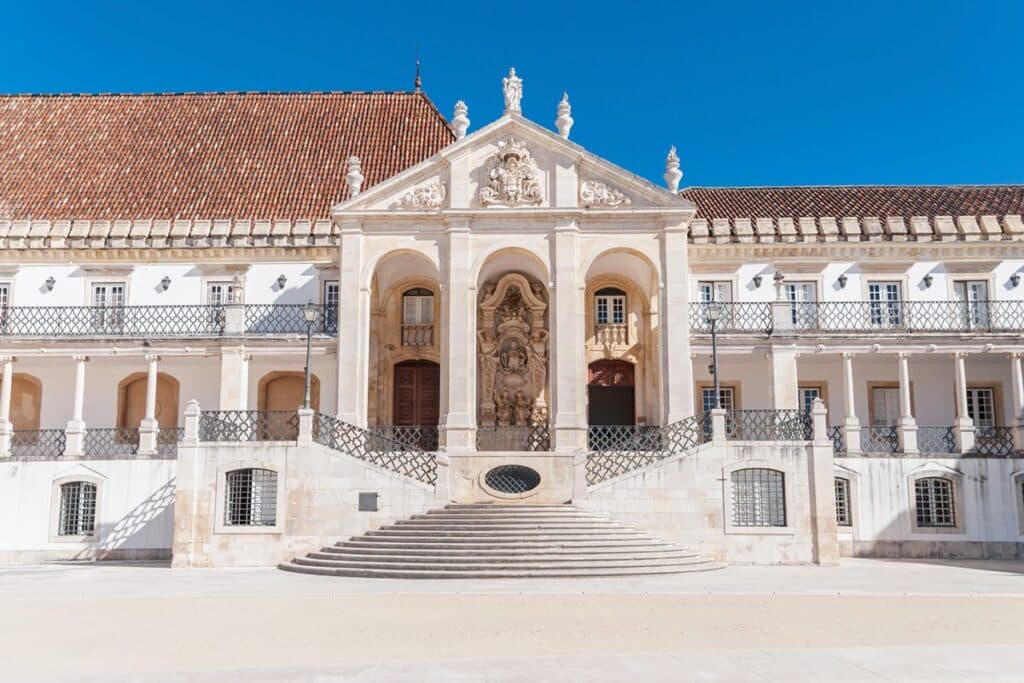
[
  {"x": 74, "y": 435},
  {"x": 964, "y": 433},
  {"x": 6, "y": 432},
  {"x": 906, "y": 432},
  {"x": 851, "y": 436},
  {"x": 148, "y": 429}
]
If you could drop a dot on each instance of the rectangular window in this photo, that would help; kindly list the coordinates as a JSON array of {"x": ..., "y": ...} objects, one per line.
[
  {"x": 933, "y": 498},
  {"x": 251, "y": 498},
  {"x": 885, "y": 304},
  {"x": 218, "y": 293},
  {"x": 758, "y": 498},
  {"x": 418, "y": 309},
  {"x": 610, "y": 309},
  {"x": 77, "y": 509},
  {"x": 981, "y": 408},
  {"x": 885, "y": 406},
  {"x": 727, "y": 397},
  {"x": 330, "y": 300},
  {"x": 806, "y": 396},
  {"x": 717, "y": 291},
  {"x": 5, "y": 301},
  {"x": 843, "y": 517},
  {"x": 803, "y": 299},
  {"x": 972, "y": 297},
  {"x": 108, "y": 300}
]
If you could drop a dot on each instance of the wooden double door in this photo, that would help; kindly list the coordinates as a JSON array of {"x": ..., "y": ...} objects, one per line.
[
  {"x": 417, "y": 394},
  {"x": 611, "y": 397}
]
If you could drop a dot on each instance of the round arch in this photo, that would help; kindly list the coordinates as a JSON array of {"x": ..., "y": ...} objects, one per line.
[
  {"x": 286, "y": 389},
  {"x": 500, "y": 261},
  {"x": 379, "y": 273},
  {"x": 26, "y": 401}
]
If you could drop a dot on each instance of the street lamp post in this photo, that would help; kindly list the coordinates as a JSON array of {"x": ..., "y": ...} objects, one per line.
[
  {"x": 714, "y": 310},
  {"x": 309, "y": 313}
]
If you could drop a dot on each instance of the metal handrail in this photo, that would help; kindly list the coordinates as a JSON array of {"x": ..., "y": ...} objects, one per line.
[
  {"x": 288, "y": 319},
  {"x": 248, "y": 425},
  {"x": 403, "y": 458},
  {"x": 112, "y": 321}
]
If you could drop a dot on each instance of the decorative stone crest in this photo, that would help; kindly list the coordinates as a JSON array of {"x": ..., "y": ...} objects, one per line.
[
  {"x": 513, "y": 88},
  {"x": 514, "y": 178},
  {"x": 513, "y": 353},
  {"x": 595, "y": 194},
  {"x": 429, "y": 196}
]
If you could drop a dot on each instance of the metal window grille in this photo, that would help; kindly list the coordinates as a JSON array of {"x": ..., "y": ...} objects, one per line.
[
  {"x": 77, "y": 509},
  {"x": 933, "y": 497},
  {"x": 758, "y": 497},
  {"x": 843, "y": 517},
  {"x": 251, "y": 498}
]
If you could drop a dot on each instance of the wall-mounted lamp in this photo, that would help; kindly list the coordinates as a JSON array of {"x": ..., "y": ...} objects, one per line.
[
  {"x": 778, "y": 277},
  {"x": 281, "y": 281},
  {"x": 166, "y": 282},
  {"x": 50, "y": 282},
  {"x": 1015, "y": 279},
  {"x": 928, "y": 278},
  {"x": 757, "y": 281},
  {"x": 842, "y": 281}
]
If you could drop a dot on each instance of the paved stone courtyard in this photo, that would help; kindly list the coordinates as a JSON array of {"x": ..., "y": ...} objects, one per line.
[{"x": 863, "y": 621}]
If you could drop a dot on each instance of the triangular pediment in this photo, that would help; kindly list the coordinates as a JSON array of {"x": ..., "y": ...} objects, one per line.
[{"x": 514, "y": 164}]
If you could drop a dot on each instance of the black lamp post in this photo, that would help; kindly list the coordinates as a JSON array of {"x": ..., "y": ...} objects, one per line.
[
  {"x": 714, "y": 310},
  {"x": 309, "y": 313}
]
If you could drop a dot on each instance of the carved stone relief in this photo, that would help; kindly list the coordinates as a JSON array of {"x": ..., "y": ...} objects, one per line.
[
  {"x": 428, "y": 196},
  {"x": 595, "y": 194},
  {"x": 514, "y": 180},
  {"x": 513, "y": 353}
]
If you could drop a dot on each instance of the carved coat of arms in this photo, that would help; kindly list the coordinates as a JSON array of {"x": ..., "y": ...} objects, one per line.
[{"x": 514, "y": 180}]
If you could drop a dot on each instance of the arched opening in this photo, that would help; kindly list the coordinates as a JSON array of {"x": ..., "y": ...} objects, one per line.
[
  {"x": 26, "y": 401},
  {"x": 611, "y": 393},
  {"x": 131, "y": 400},
  {"x": 286, "y": 389}
]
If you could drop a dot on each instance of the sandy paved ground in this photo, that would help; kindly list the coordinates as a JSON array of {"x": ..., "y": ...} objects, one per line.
[{"x": 864, "y": 621}]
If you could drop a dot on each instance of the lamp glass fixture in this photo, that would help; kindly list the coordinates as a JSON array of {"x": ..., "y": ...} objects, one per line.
[
  {"x": 309, "y": 312},
  {"x": 713, "y": 311},
  {"x": 50, "y": 282},
  {"x": 928, "y": 280},
  {"x": 166, "y": 282},
  {"x": 1015, "y": 279},
  {"x": 842, "y": 281},
  {"x": 757, "y": 281},
  {"x": 282, "y": 280}
]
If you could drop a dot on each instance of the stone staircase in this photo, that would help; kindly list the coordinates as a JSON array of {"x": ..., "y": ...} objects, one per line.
[{"x": 501, "y": 541}]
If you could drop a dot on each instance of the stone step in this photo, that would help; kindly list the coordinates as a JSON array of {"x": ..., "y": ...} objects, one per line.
[
  {"x": 470, "y": 537},
  {"x": 582, "y": 527},
  {"x": 379, "y": 549},
  {"x": 494, "y": 574},
  {"x": 467, "y": 565},
  {"x": 379, "y": 542},
  {"x": 331, "y": 554},
  {"x": 498, "y": 517}
]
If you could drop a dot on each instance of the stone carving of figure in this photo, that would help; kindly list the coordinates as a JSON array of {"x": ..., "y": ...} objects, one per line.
[
  {"x": 514, "y": 358},
  {"x": 513, "y": 87},
  {"x": 236, "y": 289},
  {"x": 523, "y": 408},
  {"x": 502, "y": 410}
]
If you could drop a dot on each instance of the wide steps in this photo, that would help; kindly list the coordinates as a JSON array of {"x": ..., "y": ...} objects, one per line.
[{"x": 501, "y": 541}]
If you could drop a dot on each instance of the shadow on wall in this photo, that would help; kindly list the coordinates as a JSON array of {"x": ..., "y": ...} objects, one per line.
[{"x": 150, "y": 522}]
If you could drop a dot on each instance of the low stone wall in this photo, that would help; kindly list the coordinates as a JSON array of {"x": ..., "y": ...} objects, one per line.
[
  {"x": 687, "y": 499},
  {"x": 318, "y": 502},
  {"x": 988, "y": 505},
  {"x": 134, "y": 510}
]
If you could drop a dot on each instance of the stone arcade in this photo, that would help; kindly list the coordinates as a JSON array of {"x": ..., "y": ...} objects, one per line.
[{"x": 504, "y": 330}]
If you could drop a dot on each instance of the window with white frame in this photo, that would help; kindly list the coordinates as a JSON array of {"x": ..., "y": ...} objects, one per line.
[
  {"x": 330, "y": 300},
  {"x": 972, "y": 295},
  {"x": 251, "y": 498},
  {"x": 726, "y": 397},
  {"x": 933, "y": 500},
  {"x": 758, "y": 497},
  {"x": 108, "y": 301},
  {"x": 5, "y": 300},
  {"x": 610, "y": 306},
  {"x": 806, "y": 397},
  {"x": 802, "y": 298},
  {"x": 885, "y": 406},
  {"x": 885, "y": 304},
  {"x": 219, "y": 293},
  {"x": 418, "y": 317},
  {"x": 843, "y": 516},
  {"x": 981, "y": 408},
  {"x": 77, "y": 512}
]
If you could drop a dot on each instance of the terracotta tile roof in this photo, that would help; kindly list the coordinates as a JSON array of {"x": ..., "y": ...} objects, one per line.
[
  {"x": 204, "y": 155},
  {"x": 856, "y": 201}
]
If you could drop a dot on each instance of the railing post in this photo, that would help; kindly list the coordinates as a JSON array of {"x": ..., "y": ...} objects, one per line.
[
  {"x": 192, "y": 413},
  {"x": 305, "y": 427},
  {"x": 819, "y": 419},
  {"x": 822, "y": 489},
  {"x": 718, "y": 432},
  {"x": 442, "y": 485},
  {"x": 234, "y": 319},
  {"x": 782, "y": 316}
]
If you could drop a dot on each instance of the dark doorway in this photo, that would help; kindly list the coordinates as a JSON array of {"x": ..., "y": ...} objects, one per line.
[
  {"x": 610, "y": 393},
  {"x": 417, "y": 400}
]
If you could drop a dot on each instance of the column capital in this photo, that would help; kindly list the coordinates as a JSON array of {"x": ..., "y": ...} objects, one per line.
[
  {"x": 848, "y": 354},
  {"x": 80, "y": 358},
  {"x": 959, "y": 354},
  {"x": 903, "y": 355},
  {"x": 7, "y": 359},
  {"x": 152, "y": 357},
  {"x": 1015, "y": 355}
]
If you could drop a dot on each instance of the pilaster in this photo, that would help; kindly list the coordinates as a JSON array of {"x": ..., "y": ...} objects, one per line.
[
  {"x": 568, "y": 364},
  {"x": 234, "y": 378},
  {"x": 784, "y": 386},
  {"x": 353, "y": 328},
  {"x": 458, "y": 343},
  {"x": 677, "y": 397}
]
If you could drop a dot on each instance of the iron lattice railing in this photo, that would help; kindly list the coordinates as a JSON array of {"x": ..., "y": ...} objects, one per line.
[
  {"x": 248, "y": 425},
  {"x": 167, "y": 441},
  {"x": 110, "y": 442},
  {"x": 38, "y": 444},
  {"x": 112, "y": 321},
  {"x": 750, "y": 317},
  {"x": 936, "y": 440},
  {"x": 768, "y": 425},
  {"x": 618, "y": 450},
  {"x": 287, "y": 319},
  {"x": 422, "y": 437},
  {"x": 838, "y": 438},
  {"x": 994, "y": 442},
  {"x": 514, "y": 438},
  {"x": 402, "y": 458},
  {"x": 879, "y": 439}
]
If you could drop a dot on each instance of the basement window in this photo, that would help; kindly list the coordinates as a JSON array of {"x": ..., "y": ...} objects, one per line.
[
  {"x": 758, "y": 498},
  {"x": 251, "y": 498}
]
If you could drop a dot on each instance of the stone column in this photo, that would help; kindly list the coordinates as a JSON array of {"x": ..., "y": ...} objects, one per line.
[
  {"x": 75, "y": 429},
  {"x": 234, "y": 378},
  {"x": 784, "y": 388},
  {"x": 964, "y": 427},
  {"x": 6, "y": 428},
  {"x": 353, "y": 328},
  {"x": 673, "y": 319},
  {"x": 458, "y": 343},
  {"x": 851, "y": 425},
  {"x": 149, "y": 426},
  {"x": 822, "y": 490},
  {"x": 568, "y": 360},
  {"x": 1017, "y": 401},
  {"x": 907, "y": 429}
]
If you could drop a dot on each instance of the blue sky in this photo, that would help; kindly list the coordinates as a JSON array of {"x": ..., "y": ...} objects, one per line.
[{"x": 751, "y": 93}]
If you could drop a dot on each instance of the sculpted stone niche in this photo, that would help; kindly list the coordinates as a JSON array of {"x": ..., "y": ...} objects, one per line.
[
  {"x": 513, "y": 353},
  {"x": 514, "y": 180}
]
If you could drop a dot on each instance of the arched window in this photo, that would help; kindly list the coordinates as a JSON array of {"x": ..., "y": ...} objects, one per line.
[
  {"x": 77, "y": 509},
  {"x": 610, "y": 306},
  {"x": 933, "y": 500},
  {"x": 251, "y": 498},
  {"x": 758, "y": 497},
  {"x": 843, "y": 517},
  {"x": 417, "y": 317}
]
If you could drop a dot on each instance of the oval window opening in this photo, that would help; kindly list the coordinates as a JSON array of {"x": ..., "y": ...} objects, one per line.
[{"x": 512, "y": 479}]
